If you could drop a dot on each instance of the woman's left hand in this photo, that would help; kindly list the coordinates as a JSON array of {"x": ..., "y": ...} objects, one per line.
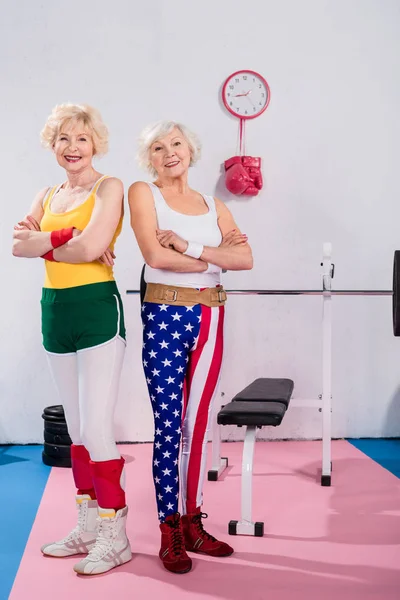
[
  {"x": 107, "y": 258},
  {"x": 169, "y": 239}
]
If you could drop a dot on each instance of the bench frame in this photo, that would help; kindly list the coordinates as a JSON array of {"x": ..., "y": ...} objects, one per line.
[{"x": 246, "y": 526}]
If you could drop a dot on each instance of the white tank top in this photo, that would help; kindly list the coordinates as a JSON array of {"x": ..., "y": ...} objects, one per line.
[{"x": 202, "y": 229}]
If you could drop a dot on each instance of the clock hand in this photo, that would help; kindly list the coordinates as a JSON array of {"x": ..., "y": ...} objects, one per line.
[
  {"x": 250, "y": 100},
  {"x": 238, "y": 95}
]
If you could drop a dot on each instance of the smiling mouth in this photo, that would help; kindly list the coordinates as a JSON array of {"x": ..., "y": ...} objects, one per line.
[
  {"x": 173, "y": 163},
  {"x": 72, "y": 159}
]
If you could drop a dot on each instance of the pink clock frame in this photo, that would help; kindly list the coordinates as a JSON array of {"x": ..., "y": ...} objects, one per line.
[{"x": 235, "y": 114}]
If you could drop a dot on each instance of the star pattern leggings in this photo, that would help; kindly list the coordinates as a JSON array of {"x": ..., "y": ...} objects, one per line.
[{"x": 182, "y": 354}]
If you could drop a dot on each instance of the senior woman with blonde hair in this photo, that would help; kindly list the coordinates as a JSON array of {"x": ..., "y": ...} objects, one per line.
[
  {"x": 74, "y": 226},
  {"x": 186, "y": 239}
]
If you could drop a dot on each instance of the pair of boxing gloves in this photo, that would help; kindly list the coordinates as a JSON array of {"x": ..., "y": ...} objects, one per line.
[{"x": 243, "y": 175}]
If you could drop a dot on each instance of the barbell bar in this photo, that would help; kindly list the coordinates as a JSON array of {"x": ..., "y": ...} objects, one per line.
[
  {"x": 395, "y": 293},
  {"x": 300, "y": 292}
]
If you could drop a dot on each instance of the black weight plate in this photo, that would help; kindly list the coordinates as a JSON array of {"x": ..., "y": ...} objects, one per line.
[
  {"x": 53, "y": 419},
  {"x": 57, "y": 451},
  {"x": 57, "y": 438},
  {"x": 56, "y": 428},
  {"x": 51, "y": 461},
  {"x": 54, "y": 411}
]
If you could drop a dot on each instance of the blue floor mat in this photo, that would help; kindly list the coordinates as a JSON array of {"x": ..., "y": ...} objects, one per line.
[
  {"x": 385, "y": 452},
  {"x": 23, "y": 478}
]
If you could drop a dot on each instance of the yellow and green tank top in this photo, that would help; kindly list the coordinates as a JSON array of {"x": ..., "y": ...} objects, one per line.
[{"x": 65, "y": 275}]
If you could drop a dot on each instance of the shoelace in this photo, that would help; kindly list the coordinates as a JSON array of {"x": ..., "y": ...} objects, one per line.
[
  {"x": 82, "y": 508},
  {"x": 77, "y": 530},
  {"x": 196, "y": 520},
  {"x": 177, "y": 537},
  {"x": 104, "y": 539}
]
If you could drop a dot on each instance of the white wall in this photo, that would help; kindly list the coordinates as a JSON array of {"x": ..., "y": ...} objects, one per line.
[{"x": 330, "y": 147}]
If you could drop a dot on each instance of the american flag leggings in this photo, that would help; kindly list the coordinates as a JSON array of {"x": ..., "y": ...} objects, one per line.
[{"x": 182, "y": 354}]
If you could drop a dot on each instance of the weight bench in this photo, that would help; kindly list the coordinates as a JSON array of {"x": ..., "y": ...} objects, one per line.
[{"x": 263, "y": 403}]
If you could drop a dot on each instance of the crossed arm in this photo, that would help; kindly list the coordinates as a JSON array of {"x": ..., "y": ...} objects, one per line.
[
  {"x": 28, "y": 240},
  {"x": 164, "y": 249},
  {"x": 85, "y": 246}
]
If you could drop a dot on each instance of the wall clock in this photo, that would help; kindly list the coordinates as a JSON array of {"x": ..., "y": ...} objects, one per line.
[{"x": 246, "y": 94}]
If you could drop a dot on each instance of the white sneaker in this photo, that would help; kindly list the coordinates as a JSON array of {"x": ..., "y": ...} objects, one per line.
[
  {"x": 112, "y": 547},
  {"x": 83, "y": 537}
]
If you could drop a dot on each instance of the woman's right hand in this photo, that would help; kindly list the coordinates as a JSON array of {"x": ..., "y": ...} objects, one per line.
[
  {"x": 28, "y": 223},
  {"x": 233, "y": 238}
]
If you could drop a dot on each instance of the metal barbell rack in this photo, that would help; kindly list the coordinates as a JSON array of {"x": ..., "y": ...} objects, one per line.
[{"x": 324, "y": 401}]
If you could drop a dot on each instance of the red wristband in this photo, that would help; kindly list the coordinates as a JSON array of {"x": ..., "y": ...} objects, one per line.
[
  {"x": 49, "y": 256},
  {"x": 61, "y": 237}
]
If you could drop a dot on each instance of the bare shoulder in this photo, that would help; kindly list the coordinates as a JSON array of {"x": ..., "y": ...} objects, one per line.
[
  {"x": 139, "y": 186},
  {"x": 40, "y": 197},
  {"x": 111, "y": 185},
  {"x": 139, "y": 191}
]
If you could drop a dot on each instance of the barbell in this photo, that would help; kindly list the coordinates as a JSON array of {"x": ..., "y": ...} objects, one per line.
[{"x": 395, "y": 292}]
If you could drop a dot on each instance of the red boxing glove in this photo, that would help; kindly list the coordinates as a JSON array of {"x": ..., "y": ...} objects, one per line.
[
  {"x": 61, "y": 237},
  {"x": 236, "y": 178},
  {"x": 243, "y": 175},
  {"x": 252, "y": 165}
]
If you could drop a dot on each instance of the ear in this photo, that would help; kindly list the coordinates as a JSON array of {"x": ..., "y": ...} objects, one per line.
[{"x": 191, "y": 156}]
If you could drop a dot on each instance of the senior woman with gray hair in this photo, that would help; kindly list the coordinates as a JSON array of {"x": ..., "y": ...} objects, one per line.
[{"x": 186, "y": 239}]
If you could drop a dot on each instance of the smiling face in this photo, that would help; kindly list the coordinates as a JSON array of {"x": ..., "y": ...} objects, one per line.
[
  {"x": 74, "y": 147},
  {"x": 170, "y": 156}
]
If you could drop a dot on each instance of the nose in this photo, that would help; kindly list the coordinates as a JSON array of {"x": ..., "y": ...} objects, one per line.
[
  {"x": 170, "y": 152},
  {"x": 72, "y": 145}
]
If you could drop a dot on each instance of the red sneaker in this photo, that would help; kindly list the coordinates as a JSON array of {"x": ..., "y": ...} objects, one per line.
[
  {"x": 172, "y": 552},
  {"x": 198, "y": 540}
]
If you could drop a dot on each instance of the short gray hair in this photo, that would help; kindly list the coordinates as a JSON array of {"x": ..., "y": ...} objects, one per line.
[{"x": 158, "y": 130}]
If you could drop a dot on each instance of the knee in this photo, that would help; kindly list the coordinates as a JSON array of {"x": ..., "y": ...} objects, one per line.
[{"x": 100, "y": 444}]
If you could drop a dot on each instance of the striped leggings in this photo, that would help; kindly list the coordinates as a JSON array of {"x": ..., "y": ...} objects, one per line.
[{"x": 182, "y": 354}]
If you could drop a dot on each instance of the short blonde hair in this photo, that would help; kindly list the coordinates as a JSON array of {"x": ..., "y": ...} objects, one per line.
[
  {"x": 89, "y": 116},
  {"x": 158, "y": 130}
]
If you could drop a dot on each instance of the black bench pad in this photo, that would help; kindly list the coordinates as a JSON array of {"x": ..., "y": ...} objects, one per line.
[
  {"x": 266, "y": 389},
  {"x": 252, "y": 413}
]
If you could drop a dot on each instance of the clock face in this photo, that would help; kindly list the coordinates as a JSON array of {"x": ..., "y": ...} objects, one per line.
[{"x": 246, "y": 94}]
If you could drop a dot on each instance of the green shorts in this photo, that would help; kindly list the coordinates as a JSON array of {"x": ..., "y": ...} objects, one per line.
[{"x": 81, "y": 317}]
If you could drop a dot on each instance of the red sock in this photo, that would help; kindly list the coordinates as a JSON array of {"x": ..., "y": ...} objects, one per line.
[
  {"x": 106, "y": 478},
  {"x": 80, "y": 459}
]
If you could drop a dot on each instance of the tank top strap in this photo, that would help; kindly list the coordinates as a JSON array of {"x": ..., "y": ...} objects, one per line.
[
  {"x": 49, "y": 195},
  {"x": 210, "y": 203},
  {"x": 98, "y": 182},
  {"x": 159, "y": 200}
]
